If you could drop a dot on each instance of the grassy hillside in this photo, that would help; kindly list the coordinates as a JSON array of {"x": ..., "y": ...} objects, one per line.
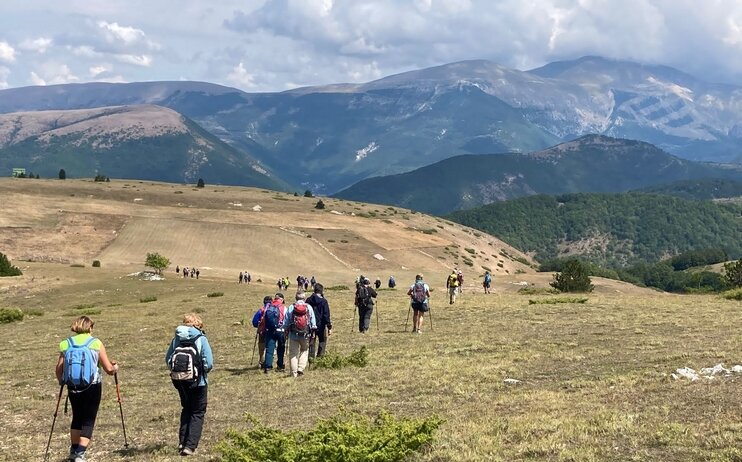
[
  {"x": 589, "y": 164},
  {"x": 609, "y": 229}
]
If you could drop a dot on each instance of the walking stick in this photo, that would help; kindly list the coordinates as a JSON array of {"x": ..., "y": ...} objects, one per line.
[
  {"x": 377, "y": 318},
  {"x": 430, "y": 310},
  {"x": 254, "y": 345},
  {"x": 352, "y": 328},
  {"x": 408, "y": 318},
  {"x": 121, "y": 408},
  {"x": 56, "y": 411}
]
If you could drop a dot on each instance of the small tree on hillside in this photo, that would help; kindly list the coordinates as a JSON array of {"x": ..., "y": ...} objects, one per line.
[
  {"x": 62, "y": 174},
  {"x": 733, "y": 273},
  {"x": 157, "y": 262},
  {"x": 573, "y": 278},
  {"x": 6, "y": 269},
  {"x": 308, "y": 193},
  {"x": 200, "y": 183},
  {"x": 320, "y": 205}
]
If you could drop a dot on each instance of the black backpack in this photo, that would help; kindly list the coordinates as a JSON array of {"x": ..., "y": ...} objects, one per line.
[
  {"x": 186, "y": 364},
  {"x": 363, "y": 296}
]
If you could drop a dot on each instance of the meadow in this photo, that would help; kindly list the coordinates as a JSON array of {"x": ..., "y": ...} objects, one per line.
[{"x": 594, "y": 378}]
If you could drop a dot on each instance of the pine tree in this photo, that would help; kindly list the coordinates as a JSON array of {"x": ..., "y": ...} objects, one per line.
[
  {"x": 62, "y": 174},
  {"x": 573, "y": 278}
]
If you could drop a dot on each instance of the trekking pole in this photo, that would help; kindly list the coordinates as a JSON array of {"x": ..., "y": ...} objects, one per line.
[
  {"x": 430, "y": 310},
  {"x": 54, "y": 420},
  {"x": 254, "y": 345},
  {"x": 377, "y": 318},
  {"x": 352, "y": 328},
  {"x": 121, "y": 408},
  {"x": 408, "y": 318}
]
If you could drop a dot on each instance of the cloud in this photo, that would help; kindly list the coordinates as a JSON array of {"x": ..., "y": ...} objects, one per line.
[
  {"x": 240, "y": 78},
  {"x": 7, "y": 52},
  {"x": 39, "y": 45},
  {"x": 99, "y": 69},
  {"x": 52, "y": 73},
  {"x": 126, "y": 35},
  {"x": 4, "y": 73}
]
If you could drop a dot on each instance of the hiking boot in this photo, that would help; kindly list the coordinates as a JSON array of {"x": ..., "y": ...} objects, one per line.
[
  {"x": 300, "y": 372},
  {"x": 294, "y": 374},
  {"x": 281, "y": 369},
  {"x": 187, "y": 452},
  {"x": 80, "y": 457}
]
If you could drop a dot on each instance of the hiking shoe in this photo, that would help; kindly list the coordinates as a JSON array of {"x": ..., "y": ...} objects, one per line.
[
  {"x": 80, "y": 457},
  {"x": 187, "y": 452},
  {"x": 281, "y": 369},
  {"x": 300, "y": 372},
  {"x": 294, "y": 374},
  {"x": 180, "y": 447}
]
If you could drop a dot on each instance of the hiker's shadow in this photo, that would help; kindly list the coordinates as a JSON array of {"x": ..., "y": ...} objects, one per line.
[
  {"x": 140, "y": 451},
  {"x": 242, "y": 370}
]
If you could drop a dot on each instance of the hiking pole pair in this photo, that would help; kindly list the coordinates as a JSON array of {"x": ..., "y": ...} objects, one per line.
[
  {"x": 430, "y": 310},
  {"x": 352, "y": 328},
  {"x": 54, "y": 420},
  {"x": 408, "y": 318},
  {"x": 121, "y": 408},
  {"x": 377, "y": 318},
  {"x": 254, "y": 345}
]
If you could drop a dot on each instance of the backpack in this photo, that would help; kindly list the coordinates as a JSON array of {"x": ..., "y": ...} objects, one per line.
[
  {"x": 300, "y": 320},
  {"x": 453, "y": 281},
  {"x": 186, "y": 364},
  {"x": 487, "y": 278},
  {"x": 80, "y": 366},
  {"x": 418, "y": 292},
  {"x": 362, "y": 296},
  {"x": 272, "y": 318}
]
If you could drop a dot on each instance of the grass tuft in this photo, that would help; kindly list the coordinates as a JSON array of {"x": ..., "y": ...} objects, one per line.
[
  {"x": 8, "y": 315},
  {"x": 537, "y": 291},
  {"x": 734, "y": 294},
  {"x": 340, "y": 287},
  {"x": 358, "y": 358},
  {"x": 215, "y": 294},
  {"x": 552, "y": 301},
  {"x": 148, "y": 298}
]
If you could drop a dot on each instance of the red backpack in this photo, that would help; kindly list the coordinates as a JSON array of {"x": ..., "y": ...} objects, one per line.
[{"x": 300, "y": 319}]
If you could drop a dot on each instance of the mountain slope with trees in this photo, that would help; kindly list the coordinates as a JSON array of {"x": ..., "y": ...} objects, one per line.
[
  {"x": 592, "y": 163},
  {"x": 609, "y": 229}
]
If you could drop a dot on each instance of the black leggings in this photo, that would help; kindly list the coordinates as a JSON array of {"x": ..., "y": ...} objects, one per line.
[{"x": 85, "y": 406}]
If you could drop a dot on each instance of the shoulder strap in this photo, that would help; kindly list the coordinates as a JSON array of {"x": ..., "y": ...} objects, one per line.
[
  {"x": 90, "y": 340},
  {"x": 70, "y": 342}
]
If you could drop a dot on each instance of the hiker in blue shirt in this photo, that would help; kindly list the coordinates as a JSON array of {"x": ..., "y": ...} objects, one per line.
[{"x": 193, "y": 395}]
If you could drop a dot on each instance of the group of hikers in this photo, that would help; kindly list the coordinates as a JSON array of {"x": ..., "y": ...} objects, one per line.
[
  {"x": 192, "y": 272},
  {"x": 305, "y": 324},
  {"x": 244, "y": 277},
  {"x": 302, "y": 283}
]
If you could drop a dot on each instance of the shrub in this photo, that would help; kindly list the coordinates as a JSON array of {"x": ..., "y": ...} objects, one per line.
[
  {"x": 341, "y": 287},
  {"x": 6, "y": 269},
  {"x": 537, "y": 291},
  {"x": 573, "y": 278},
  {"x": 308, "y": 193},
  {"x": 319, "y": 205},
  {"x": 148, "y": 298},
  {"x": 8, "y": 315},
  {"x": 157, "y": 262},
  {"x": 345, "y": 437},
  {"x": 215, "y": 294},
  {"x": 334, "y": 361},
  {"x": 734, "y": 294},
  {"x": 551, "y": 301},
  {"x": 733, "y": 273},
  {"x": 96, "y": 264},
  {"x": 77, "y": 265},
  {"x": 62, "y": 174},
  {"x": 471, "y": 251},
  {"x": 200, "y": 183}
]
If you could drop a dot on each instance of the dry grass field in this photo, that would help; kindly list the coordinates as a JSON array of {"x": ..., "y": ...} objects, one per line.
[{"x": 594, "y": 378}]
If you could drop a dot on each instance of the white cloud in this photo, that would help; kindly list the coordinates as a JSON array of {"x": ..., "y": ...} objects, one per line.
[
  {"x": 95, "y": 71},
  {"x": 114, "y": 33},
  {"x": 36, "y": 80},
  {"x": 51, "y": 73},
  {"x": 4, "y": 73},
  {"x": 137, "y": 60},
  {"x": 240, "y": 78},
  {"x": 7, "y": 52},
  {"x": 39, "y": 45}
]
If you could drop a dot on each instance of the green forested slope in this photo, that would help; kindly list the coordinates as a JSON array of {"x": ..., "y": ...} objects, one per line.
[{"x": 610, "y": 229}]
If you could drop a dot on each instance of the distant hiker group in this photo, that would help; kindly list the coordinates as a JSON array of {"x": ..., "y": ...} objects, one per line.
[
  {"x": 244, "y": 277},
  {"x": 192, "y": 272}
]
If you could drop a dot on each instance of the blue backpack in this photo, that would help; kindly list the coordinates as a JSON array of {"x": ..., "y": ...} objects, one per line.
[
  {"x": 487, "y": 278},
  {"x": 80, "y": 366},
  {"x": 272, "y": 318}
]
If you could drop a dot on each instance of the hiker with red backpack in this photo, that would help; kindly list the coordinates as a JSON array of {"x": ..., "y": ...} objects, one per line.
[
  {"x": 321, "y": 308},
  {"x": 272, "y": 324},
  {"x": 189, "y": 359},
  {"x": 365, "y": 295},
  {"x": 419, "y": 295},
  {"x": 80, "y": 356},
  {"x": 301, "y": 325}
]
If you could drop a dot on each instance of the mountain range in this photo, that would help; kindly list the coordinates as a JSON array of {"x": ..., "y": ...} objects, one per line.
[
  {"x": 593, "y": 163},
  {"x": 326, "y": 138}
]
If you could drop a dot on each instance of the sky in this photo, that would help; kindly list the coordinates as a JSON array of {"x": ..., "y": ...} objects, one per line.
[{"x": 275, "y": 45}]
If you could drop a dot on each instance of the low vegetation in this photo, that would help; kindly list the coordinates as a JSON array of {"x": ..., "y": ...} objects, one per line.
[
  {"x": 148, "y": 298},
  {"x": 574, "y": 277},
  {"x": 215, "y": 294},
  {"x": 157, "y": 262},
  {"x": 6, "y": 269},
  {"x": 343, "y": 438},
  {"x": 557, "y": 300},
  {"x": 8, "y": 315},
  {"x": 357, "y": 358},
  {"x": 734, "y": 294}
]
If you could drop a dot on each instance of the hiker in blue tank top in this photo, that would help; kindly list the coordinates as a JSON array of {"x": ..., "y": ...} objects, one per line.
[
  {"x": 419, "y": 298},
  {"x": 85, "y": 399},
  {"x": 192, "y": 385}
]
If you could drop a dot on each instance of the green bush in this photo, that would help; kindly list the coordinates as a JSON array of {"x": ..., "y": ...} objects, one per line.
[
  {"x": 96, "y": 264},
  {"x": 77, "y": 265},
  {"x": 148, "y": 298},
  {"x": 341, "y": 287},
  {"x": 334, "y": 361},
  {"x": 735, "y": 294},
  {"x": 8, "y": 315},
  {"x": 346, "y": 437},
  {"x": 537, "y": 291},
  {"x": 552, "y": 301},
  {"x": 573, "y": 278},
  {"x": 6, "y": 269},
  {"x": 733, "y": 273},
  {"x": 215, "y": 294}
]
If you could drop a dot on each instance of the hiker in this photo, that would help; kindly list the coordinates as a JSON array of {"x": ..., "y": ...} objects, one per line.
[
  {"x": 301, "y": 324},
  {"x": 197, "y": 272},
  {"x": 189, "y": 359},
  {"x": 452, "y": 283},
  {"x": 392, "y": 282},
  {"x": 275, "y": 337},
  {"x": 84, "y": 385},
  {"x": 419, "y": 295},
  {"x": 313, "y": 282},
  {"x": 460, "y": 279},
  {"x": 239, "y": 281},
  {"x": 487, "y": 282},
  {"x": 365, "y": 295},
  {"x": 377, "y": 283},
  {"x": 248, "y": 278},
  {"x": 177, "y": 269},
  {"x": 321, "y": 308},
  {"x": 257, "y": 317}
]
